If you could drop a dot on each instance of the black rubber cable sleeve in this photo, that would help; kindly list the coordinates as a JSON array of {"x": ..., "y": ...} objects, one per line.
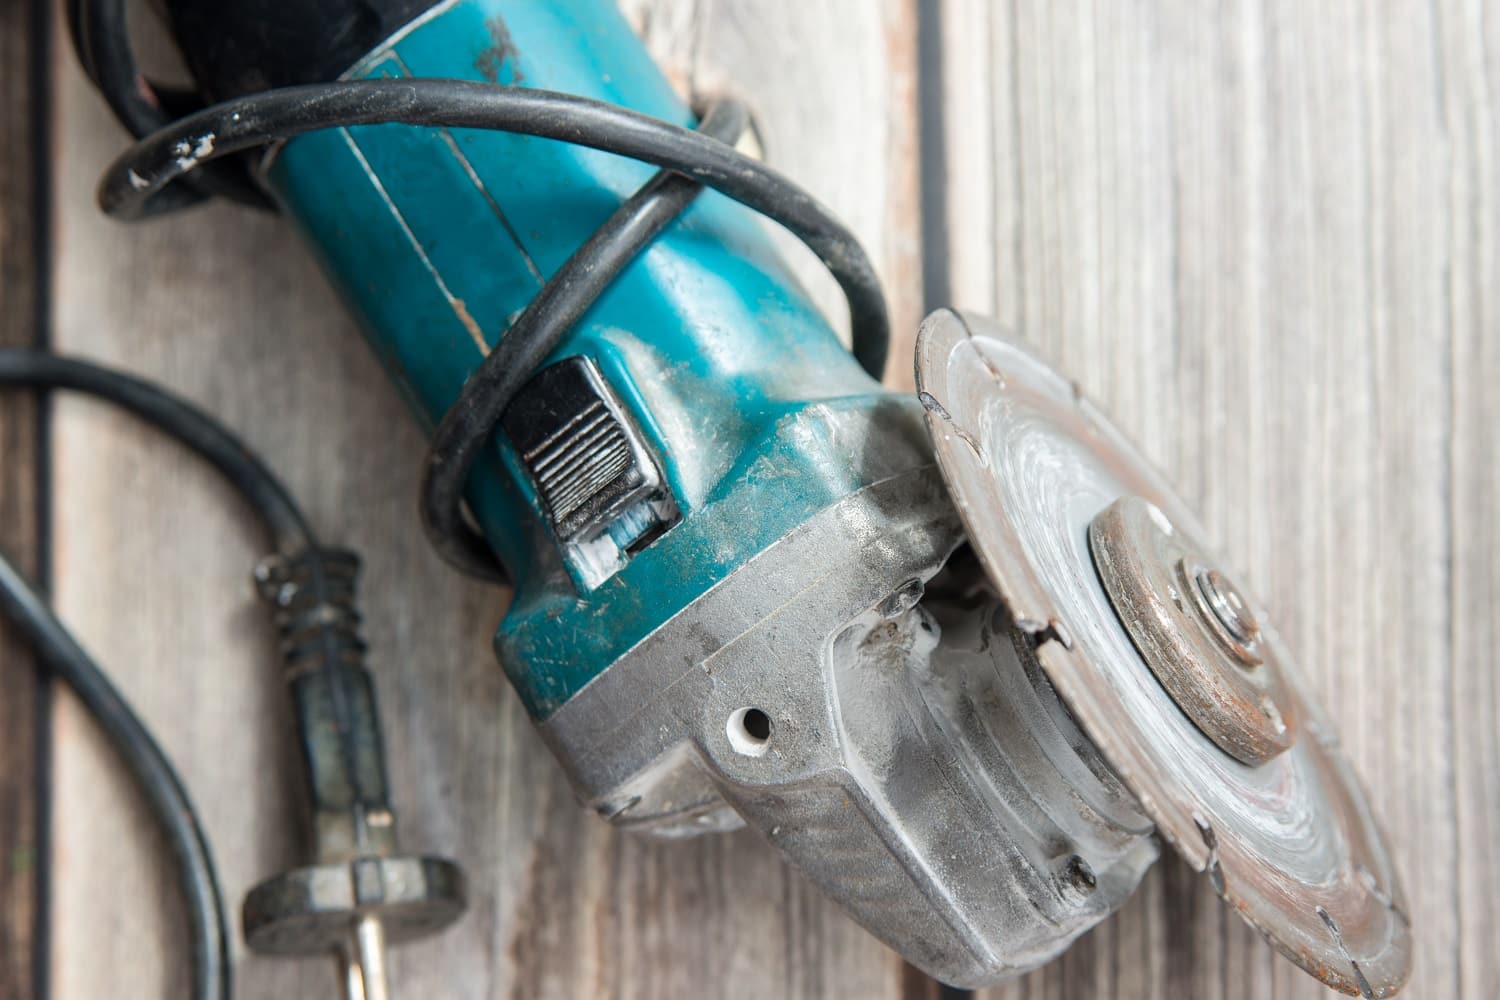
[
  {"x": 101, "y": 38},
  {"x": 148, "y": 764},
  {"x": 181, "y": 420},
  {"x": 147, "y": 168}
]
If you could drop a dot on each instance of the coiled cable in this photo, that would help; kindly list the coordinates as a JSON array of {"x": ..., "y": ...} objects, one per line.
[
  {"x": 102, "y": 42},
  {"x": 160, "y": 784},
  {"x": 313, "y": 609},
  {"x": 134, "y": 184}
]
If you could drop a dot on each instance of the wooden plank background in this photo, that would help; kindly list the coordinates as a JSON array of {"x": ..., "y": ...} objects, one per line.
[
  {"x": 1265, "y": 236},
  {"x": 23, "y": 706}
]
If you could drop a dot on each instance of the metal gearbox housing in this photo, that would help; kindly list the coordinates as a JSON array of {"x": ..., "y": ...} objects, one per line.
[{"x": 857, "y": 694}]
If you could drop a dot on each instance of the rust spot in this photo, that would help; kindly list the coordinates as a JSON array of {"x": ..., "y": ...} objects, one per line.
[{"x": 493, "y": 57}]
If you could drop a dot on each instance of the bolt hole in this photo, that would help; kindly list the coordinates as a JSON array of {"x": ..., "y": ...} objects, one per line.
[
  {"x": 749, "y": 731},
  {"x": 1078, "y": 877},
  {"x": 903, "y": 600},
  {"x": 757, "y": 724}
]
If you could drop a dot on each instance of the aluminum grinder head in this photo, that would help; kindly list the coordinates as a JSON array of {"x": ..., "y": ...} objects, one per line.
[{"x": 1169, "y": 666}]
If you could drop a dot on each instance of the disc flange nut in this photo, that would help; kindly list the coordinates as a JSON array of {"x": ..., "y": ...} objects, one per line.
[{"x": 1196, "y": 630}]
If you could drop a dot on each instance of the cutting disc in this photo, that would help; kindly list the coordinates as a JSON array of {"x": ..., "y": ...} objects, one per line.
[{"x": 1160, "y": 657}]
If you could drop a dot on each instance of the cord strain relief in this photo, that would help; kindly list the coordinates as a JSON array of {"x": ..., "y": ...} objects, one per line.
[{"x": 314, "y": 596}]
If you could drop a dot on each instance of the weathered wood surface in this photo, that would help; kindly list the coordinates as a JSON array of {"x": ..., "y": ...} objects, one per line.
[
  {"x": 22, "y": 701},
  {"x": 1265, "y": 237}
]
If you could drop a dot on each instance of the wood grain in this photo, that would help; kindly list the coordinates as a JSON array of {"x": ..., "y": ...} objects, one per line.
[
  {"x": 1264, "y": 237},
  {"x": 22, "y": 275},
  {"x": 1468, "y": 43}
]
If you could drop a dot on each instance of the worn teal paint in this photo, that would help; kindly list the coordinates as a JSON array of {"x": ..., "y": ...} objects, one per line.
[{"x": 437, "y": 238}]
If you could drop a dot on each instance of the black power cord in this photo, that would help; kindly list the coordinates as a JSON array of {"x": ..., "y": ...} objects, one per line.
[
  {"x": 321, "y": 636},
  {"x": 159, "y": 782},
  {"x": 134, "y": 184},
  {"x": 102, "y": 42},
  {"x": 176, "y": 417},
  {"x": 152, "y": 164}
]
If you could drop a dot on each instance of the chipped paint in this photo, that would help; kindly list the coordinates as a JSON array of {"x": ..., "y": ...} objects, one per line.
[
  {"x": 186, "y": 154},
  {"x": 470, "y": 323},
  {"x": 493, "y": 58},
  {"x": 454, "y": 302}
]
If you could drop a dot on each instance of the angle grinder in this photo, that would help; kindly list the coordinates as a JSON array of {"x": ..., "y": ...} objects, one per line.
[{"x": 961, "y": 655}]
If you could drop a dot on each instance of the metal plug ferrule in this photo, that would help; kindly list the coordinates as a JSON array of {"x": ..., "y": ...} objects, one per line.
[{"x": 358, "y": 893}]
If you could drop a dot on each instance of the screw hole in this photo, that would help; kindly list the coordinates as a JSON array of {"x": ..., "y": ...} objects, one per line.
[
  {"x": 1081, "y": 874},
  {"x": 1078, "y": 879},
  {"x": 749, "y": 731}
]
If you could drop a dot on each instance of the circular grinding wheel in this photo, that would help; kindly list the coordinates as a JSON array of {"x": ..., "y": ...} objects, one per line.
[{"x": 1169, "y": 667}]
